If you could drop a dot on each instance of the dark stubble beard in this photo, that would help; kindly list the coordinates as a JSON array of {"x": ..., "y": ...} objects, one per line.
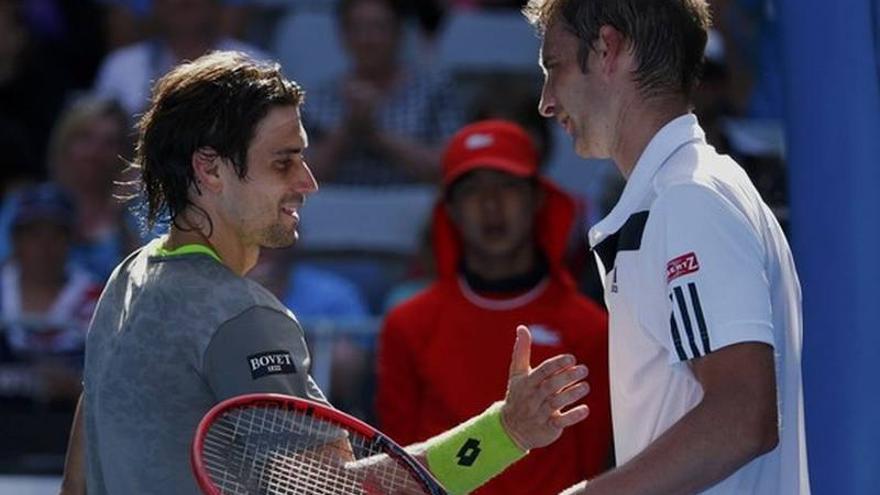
[{"x": 279, "y": 236}]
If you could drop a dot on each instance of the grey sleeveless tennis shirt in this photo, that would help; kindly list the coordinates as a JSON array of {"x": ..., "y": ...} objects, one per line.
[{"x": 171, "y": 337}]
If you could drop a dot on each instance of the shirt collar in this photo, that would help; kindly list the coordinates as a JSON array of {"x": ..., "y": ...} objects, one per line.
[{"x": 672, "y": 136}]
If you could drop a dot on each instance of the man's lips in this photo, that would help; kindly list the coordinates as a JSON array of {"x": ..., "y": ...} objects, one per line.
[
  {"x": 291, "y": 211},
  {"x": 565, "y": 122}
]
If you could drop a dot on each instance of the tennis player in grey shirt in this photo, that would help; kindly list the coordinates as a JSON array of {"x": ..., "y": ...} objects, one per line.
[
  {"x": 178, "y": 328},
  {"x": 184, "y": 332}
]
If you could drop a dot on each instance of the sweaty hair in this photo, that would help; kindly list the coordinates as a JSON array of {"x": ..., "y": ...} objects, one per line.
[
  {"x": 667, "y": 37},
  {"x": 215, "y": 101}
]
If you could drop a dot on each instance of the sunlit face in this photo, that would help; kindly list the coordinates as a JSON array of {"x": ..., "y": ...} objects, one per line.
[
  {"x": 494, "y": 212},
  {"x": 572, "y": 97},
  {"x": 91, "y": 159},
  {"x": 263, "y": 208}
]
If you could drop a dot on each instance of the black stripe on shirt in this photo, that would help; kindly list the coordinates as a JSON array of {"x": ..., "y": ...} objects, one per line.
[
  {"x": 701, "y": 322},
  {"x": 686, "y": 320},
  {"x": 676, "y": 335},
  {"x": 628, "y": 238}
]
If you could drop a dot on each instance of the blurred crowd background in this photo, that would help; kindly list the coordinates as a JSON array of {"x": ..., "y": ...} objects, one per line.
[{"x": 387, "y": 83}]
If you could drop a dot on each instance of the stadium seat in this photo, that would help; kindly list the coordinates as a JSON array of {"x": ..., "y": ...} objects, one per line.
[
  {"x": 474, "y": 41},
  {"x": 367, "y": 235}
]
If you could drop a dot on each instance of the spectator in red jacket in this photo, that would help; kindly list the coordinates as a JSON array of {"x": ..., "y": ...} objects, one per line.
[{"x": 500, "y": 233}]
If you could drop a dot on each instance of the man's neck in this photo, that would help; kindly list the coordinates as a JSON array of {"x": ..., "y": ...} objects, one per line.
[
  {"x": 233, "y": 253},
  {"x": 638, "y": 123},
  {"x": 511, "y": 283}
]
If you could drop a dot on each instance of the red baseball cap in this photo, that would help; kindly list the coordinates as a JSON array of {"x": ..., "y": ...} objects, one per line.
[{"x": 493, "y": 144}]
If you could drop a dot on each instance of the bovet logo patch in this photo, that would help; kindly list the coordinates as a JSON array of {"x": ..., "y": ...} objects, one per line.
[
  {"x": 684, "y": 264},
  {"x": 271, "y": 363}
]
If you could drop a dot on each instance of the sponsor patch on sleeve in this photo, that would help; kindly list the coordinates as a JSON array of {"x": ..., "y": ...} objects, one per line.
[
  {"x": 682, "y": 265},
  {"x": 271, "y": 363}
]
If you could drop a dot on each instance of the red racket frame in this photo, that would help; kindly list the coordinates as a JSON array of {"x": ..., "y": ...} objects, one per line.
[{"x": 317, "y": 410}]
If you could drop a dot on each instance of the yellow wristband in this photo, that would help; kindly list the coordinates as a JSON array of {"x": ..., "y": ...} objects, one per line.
[{"x": 472, "y": 453}]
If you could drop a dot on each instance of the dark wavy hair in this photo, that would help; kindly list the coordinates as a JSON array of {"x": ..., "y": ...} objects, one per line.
[
  {"x": 668, "y": 36},
  {"x": 214, "y": 101}
]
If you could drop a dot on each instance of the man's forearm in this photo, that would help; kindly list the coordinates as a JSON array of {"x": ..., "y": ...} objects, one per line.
[{"x": 706, "y": 446}]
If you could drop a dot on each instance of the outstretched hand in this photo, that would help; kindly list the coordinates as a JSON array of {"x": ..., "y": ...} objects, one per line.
[{"x": 532, "y": 411}]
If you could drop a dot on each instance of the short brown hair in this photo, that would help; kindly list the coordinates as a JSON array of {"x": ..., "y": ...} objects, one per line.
[
  {"x": 668, "y": 36},
  {"x": 214, "y": 101}
]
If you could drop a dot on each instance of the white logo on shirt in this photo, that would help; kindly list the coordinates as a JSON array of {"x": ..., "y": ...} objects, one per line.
[
  {"x": 477, "y": 141},
  {"x": 271, "y": 363}
]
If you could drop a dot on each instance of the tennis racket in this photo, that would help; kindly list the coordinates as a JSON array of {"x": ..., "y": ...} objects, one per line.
[{"x": 272, "y": 444}]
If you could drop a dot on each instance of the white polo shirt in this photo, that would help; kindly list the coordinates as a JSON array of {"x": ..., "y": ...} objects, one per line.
[{"x": 695, "y": 261}]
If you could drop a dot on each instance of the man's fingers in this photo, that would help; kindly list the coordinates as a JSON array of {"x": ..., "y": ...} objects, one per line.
[
  {"x": 569, "y": 395},
  {"x": 572, "y": 416},
  {"x": 520, "y": 363},
  {"x": 562, "y": 379},
  {"x": 550, "y": 367}
]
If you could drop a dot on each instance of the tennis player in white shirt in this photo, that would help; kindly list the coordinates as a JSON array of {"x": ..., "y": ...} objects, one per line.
[{"x": 704, "y": 300}]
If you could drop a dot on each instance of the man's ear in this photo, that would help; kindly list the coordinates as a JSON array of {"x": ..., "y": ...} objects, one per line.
[
  {"x": 611, "y": 49},
  {"x": 206, "y": 169}
]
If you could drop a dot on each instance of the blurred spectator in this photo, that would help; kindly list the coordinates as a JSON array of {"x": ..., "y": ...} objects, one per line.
[
  {"x": 712, "y": 99},
  {"x": 16, "y": 172},
  {"x": 129, "y": 21},
  {"x": 500, "y": 233},
  {"x": 752, "y": 39},
  {"x": 31, "y": 88},
  {"x": 382, "y": 123},
  {"x": 185, "y": 29},
  {"x": 46, "y": 303},
  {"x": 85, "y": 157}
]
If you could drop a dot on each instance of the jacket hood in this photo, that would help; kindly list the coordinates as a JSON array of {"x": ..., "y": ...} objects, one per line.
[{"x": 554, "y": 220}]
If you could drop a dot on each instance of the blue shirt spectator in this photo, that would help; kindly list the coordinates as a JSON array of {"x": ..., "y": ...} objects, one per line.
[{"x": 313, "y": 293}]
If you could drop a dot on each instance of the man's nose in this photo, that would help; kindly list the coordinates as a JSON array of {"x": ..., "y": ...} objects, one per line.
[
  {"x": 547, "y": 105},
  {"x": 305, "y": 180}
]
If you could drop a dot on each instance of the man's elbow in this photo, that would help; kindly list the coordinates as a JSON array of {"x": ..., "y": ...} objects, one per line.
[
  {"x": 768, "y": 439},
  {"x": 761, "y": 436}
]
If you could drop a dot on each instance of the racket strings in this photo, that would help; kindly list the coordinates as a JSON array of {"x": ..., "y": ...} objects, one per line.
[{"x": 276, "y": 450}]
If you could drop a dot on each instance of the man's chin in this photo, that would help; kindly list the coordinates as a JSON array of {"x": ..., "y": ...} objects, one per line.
[
  {"x": 590, "y": 154},
  {"x": 277, "y": 240},
  {"x": 582, "y": 150}
]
